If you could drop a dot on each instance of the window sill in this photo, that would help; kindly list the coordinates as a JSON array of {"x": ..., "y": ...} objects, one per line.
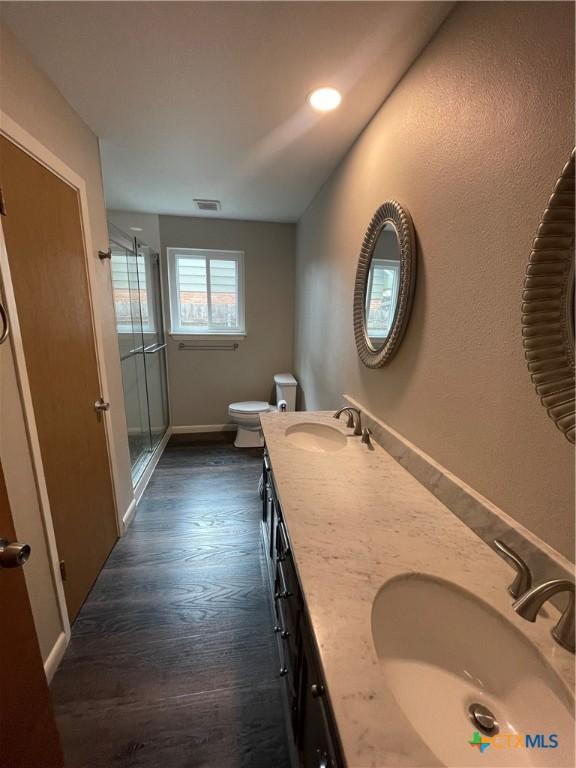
[{"x": 178, "y": 336}]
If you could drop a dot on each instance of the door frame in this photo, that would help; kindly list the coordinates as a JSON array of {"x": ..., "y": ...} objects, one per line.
[{"x": 12, "y": 131}]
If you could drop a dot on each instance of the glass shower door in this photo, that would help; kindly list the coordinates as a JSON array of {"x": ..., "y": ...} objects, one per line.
[
  {"x": 139, "y": 323},
  {"x": 131, "y": 344}
]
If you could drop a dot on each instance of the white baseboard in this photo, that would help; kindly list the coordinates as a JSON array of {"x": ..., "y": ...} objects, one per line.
[
  {"x": 199, "y": 428},
  {"x": 55, "y": 656},
  {"x": 128, "y": 515},
  {"x": 147, "y": 474}
]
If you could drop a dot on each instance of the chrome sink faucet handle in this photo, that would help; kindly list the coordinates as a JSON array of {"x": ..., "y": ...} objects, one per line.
[
  {"x": 366, "y": 433},
  {"x": 528, "y": 606},
  {"x": 523, "y": 580}
]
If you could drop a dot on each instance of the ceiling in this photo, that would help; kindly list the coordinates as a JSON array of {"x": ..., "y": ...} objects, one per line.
[{"x": 208, "y": 99}]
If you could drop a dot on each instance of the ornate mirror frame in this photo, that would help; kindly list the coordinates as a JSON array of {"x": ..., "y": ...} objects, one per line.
[
  {"x": 390, "y": 212},
  {"x": 547, "y": 303}
]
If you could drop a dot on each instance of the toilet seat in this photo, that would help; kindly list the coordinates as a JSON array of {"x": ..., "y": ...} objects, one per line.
[{"x": 248, "y": 407}]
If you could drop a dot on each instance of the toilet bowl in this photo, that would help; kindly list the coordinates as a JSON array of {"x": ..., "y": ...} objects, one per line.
[{"x": 246, "y": 414}]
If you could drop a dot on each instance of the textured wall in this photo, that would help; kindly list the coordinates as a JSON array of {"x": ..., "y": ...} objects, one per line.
[
  {"x": 203, "y": 384},
  {"x": 471, "y": 142}
]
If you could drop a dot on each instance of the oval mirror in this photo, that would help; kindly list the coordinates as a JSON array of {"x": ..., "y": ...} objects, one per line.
[
  {"x": 548, "y": 306},
  {"x": 384, "y": 284}
]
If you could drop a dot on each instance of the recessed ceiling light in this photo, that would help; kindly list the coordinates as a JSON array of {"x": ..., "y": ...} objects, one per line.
[
  {"x": 324, "y": 99},
  {"x": 136, "y": 229}
]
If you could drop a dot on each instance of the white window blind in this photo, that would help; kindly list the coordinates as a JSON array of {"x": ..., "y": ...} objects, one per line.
[{"x": 206, "y": 291}]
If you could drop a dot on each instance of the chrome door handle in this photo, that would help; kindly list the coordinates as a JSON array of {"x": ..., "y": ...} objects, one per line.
[
  {"x": 154, "y": 348},
  {"x": 12, "y": 554},
  {"x": 101, "y": 405}
]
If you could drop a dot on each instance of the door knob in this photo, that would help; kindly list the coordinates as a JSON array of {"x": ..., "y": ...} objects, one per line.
[
  {"x": 12, "y": 554},
  {"x": 101, "y": 405}
]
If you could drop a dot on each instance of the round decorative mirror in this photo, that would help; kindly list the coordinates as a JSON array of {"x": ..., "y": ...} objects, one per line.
[
  {"x": 548, "y": 306},
  {"x": 384, "y": 285}
]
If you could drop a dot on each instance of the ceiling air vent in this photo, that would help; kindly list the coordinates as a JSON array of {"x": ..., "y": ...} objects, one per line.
[{"x": 207, "y": 205}]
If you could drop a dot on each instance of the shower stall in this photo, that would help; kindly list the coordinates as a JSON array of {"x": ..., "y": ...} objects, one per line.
[{"x": 137, "y": 291}]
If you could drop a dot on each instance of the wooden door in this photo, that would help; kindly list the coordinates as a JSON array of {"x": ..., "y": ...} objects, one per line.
[
  {"x": 45, "y": 246},
  {"x": 28, "y": 735}
]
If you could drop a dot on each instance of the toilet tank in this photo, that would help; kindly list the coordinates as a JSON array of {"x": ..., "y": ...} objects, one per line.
[{"x": 286, "y": 386}]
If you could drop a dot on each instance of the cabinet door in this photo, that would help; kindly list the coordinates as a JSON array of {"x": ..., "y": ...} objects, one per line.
[
  {"x": 274, "y": 517},
  {"x": 283, "y": 551},
  {"x": 316, "y": 744}
]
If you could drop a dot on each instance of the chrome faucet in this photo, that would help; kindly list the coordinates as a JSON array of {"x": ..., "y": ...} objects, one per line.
[
  {"x": 530, "y": 603},
  {"x": 347, "y": 411},
  {"x": 354, "y": 418}
]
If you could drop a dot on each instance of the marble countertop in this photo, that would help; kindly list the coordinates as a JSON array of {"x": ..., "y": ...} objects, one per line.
[{"x": 357, "y": 519}]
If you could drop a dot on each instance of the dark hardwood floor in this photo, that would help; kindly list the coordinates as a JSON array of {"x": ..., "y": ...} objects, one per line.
[{"x": 172, "y": 662}]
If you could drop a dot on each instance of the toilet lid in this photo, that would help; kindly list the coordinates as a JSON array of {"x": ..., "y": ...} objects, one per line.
[{"x": 250, "y": 406}]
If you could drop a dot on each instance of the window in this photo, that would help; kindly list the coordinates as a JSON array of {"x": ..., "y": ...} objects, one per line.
[
  {"x": 130, "y": 289},
  {"x": 206, "y": 291},
  {"x": 381, "y": 297}
]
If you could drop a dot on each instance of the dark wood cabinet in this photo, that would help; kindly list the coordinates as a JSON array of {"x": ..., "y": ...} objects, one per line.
[{"x": 311, "y": 723}]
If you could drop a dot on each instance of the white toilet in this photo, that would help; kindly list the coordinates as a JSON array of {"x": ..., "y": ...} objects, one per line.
[{"x": 246, "y": 415}]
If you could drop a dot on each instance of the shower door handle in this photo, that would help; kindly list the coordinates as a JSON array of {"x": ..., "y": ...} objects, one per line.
[{"x": 101, "y": 405}]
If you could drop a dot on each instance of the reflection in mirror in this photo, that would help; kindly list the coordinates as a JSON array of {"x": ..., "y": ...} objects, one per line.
[{"x": 382, "y": 286}]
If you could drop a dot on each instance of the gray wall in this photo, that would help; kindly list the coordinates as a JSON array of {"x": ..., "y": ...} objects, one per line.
[
  {"x": 203, "y": 384},
  {"x": 471, "y": 142}
]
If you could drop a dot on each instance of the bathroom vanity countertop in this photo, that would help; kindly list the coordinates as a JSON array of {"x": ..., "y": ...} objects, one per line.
[{"x": 357, "y": 519}]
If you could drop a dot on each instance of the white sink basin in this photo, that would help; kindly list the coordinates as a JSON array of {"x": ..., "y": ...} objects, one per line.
[
  {"x": 319, "y": 438},
  {"x": 442, "y": 650}
]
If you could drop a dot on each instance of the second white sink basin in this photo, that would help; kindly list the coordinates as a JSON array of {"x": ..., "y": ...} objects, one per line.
[
  {"x": 319, "y": 438},
  {"x": 444, "y": 650}
]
